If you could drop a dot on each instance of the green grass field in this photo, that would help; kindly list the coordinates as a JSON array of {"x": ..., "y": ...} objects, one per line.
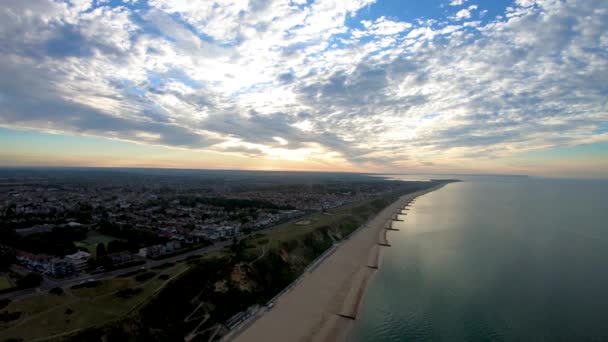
[
  {"x": 48, "y": 315},
  {"x": 94, "y": 238},
  {"x": 5, "y": 283},
  {"x": 356, "y": 213}
]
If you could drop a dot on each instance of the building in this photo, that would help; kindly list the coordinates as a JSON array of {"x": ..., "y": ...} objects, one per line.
[
  {"x": 121, "y": 258},
  {"x": 41, "y": 228},
  {"x": 151, "y": 251},
  {"x": 172, "y": 246},
  {"x": 60, "y": 268},
  {"x": 290, "y": 214},
  {"x": 228, "y": 231},
  {"x": 158, "y": 250},
  {"x": 144, "y": 252},
  {"x": 56, "y": 267},
  {"x": 79, "y": 260},
  {"x": 35, "y": 262}
]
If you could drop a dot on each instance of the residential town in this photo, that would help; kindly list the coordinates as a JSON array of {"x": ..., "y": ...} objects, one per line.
[
  {"x": 66, "y": 225},
  {"x": 200, "y": 250}
]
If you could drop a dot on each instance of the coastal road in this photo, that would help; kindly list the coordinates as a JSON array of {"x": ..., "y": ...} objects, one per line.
[{"x": 49, "y": 284}]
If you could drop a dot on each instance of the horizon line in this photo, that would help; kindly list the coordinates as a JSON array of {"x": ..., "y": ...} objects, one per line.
[{"x": 53, "y": 167}]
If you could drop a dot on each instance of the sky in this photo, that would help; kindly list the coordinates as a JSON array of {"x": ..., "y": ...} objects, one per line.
[{"x": 450, "y": 86}]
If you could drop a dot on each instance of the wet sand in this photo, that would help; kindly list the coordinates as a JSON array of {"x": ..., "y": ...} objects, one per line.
[{"x": 324, "y": 304}]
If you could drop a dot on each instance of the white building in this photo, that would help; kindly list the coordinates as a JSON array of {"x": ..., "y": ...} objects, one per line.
[
  {"x": 143, "y": 252},
  {"x": 79, "y": 260},
  {"x": 227, "y": 231}
]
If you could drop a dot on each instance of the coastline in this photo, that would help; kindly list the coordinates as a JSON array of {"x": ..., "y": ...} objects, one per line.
[{"x": 324, "y": 303}]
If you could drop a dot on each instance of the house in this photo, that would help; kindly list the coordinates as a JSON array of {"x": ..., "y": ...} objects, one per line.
[
  {"x": 158, "y": 250},
  {"x": 41, "y": 228},
  {"x": 172, "y": 246},
  {"x": 289, "y": 214},
  {"x": 121, "y": 258},
  {"x": 147, "y": 252},
  {"x": 228, "y": 231}
]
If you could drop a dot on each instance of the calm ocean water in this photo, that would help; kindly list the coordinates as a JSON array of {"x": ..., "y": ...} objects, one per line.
[{"x": 495, "y": 259}]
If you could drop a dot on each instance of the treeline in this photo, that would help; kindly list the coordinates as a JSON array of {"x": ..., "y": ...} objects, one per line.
[
  {"x": 59, "y": 241},
  {"x": 82, "y": 213},
  {"x": 7, "y": 256},
  {"x": 133, "y": 238},
  {"x": 28, "y": 281},
  {"x": 230, "y": 204}
]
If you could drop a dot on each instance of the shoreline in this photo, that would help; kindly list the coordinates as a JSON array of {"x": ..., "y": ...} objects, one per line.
[{"x": 324, "y": 303}]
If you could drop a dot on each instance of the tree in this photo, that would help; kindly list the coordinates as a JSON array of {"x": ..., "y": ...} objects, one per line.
[
  {"x": 29, "y": 280},
  {"x": 237, "y": 248},
  {"x": 10, "y": 210},
  {"x": 7, "y": 257},
  {"x": 58, "y": 291},
  {"x": 105, "y": 262},
  {"x": 115, "y": 246},
  {"x": 101, "y": 250},
  {"x": 92, "y": 263}
]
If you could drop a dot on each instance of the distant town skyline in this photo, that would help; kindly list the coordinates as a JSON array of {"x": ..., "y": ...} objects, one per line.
[{"x": 386, "y": 86}]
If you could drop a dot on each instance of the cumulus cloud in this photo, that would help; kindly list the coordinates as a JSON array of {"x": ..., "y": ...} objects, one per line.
[
  {"x": 381, "y": 27},
  {"x": 457, "y": 2},
  {"x": 261, "y": 78},
  {"x": 464, "y": 13}
]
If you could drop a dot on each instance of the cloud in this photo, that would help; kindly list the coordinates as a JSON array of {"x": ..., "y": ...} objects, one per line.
[
  {"x": 381, "y": 27},
  {"x": 457, "y": 2},
  {"x": 464, "y": 13},
  {"x": 309, "y": 79}
]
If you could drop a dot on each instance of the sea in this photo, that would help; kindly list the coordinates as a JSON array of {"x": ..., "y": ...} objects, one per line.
[{"x": 494, "y": 258}]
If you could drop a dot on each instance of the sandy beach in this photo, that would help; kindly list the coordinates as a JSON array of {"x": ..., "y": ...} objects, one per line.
[{"x": 324, "y": 304}]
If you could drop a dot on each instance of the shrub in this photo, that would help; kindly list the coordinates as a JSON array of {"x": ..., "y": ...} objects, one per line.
[
  {"x": 163, "y": 266},
  {"x": 144, "y": 276},
  {"x": 128, "y": 293},
  {"x": 128, "y": 274},
  {"x": 56, "y": 291},
  {"x": 9, "y": 316},
  {"x": 87, "y": 285},
  {"x": 29, "y": 280}
]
